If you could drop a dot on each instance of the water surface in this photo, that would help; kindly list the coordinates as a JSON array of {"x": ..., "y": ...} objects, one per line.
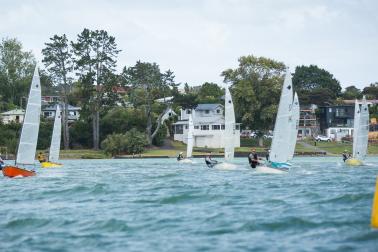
[{"x": 159, "y": 205}]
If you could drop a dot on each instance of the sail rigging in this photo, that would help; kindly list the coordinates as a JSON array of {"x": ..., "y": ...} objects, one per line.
[
  {"x": 229, "y": 132},
  {"x": 56, "y": 135},
  {"x": 189, "y": 146},
  {"x": 361, "y": 129}
]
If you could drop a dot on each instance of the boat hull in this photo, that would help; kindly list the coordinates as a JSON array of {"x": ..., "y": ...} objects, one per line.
[
  {"x": 13, "y": 171},
  {"x": 353, "y": 162},
  {"x": 50, "y": 165}
]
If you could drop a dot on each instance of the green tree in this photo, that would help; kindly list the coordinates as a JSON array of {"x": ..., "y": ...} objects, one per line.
[
  {"x": 256, "y": 86},
  {"x": 58, "y": 61},
  {"x": 351, "y": 93},
  {"x": 149, "y": 84},
  {"x": 95, "y": 58},
  {"x": 308, "y": 80},
  {"x": 16, "y": 71},
  {"x": 210, "y": 93},
  {"x": 371, "y": 91},
  {"x": 133, "y": 142}
]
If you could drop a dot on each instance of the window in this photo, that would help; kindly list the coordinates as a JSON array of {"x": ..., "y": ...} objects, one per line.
[
  {"x": 215, "y": 127},
  {"x": 188, "y": 111},
  {"x": 222, "y": 127},
  {"x": 204, "y": 127},
  {"x": 218, "y": 111},
  {"x": 196, "y": 127},
  {"x": 207, "y": 111},
  {"x": 237, "y": 126},
  {"x": 186, "y": 126},
  {"x": 179, "y": 129}
]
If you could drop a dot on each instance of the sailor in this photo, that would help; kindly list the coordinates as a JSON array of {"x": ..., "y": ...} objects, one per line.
[
  {"x": 345, "y": 156},
  {"x": 209, "y": 162},
  {"x": 180, "y": 156},
  {"x": 253, "y": 159},
  {"x": 267, "y": 155},
  {"x": 1, "y": 163},
  {"x": 41, "y": 157}
]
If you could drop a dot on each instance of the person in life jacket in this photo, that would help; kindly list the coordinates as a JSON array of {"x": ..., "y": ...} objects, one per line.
[
  {"x": 209, "y": 162},
  {"x": 180, "y": 156},
  {"x": 2, "y": 164},
  {"x": 41, "y": 157},
  {"x": 253, "y": 158},
  {"x": 345, "y": 156}
]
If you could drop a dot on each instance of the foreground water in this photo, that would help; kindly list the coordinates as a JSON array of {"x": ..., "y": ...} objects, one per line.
[{"x": 159, "y": 205}]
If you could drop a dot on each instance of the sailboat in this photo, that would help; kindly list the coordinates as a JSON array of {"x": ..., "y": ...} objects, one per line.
[
  {"x": 29, "y": 134},
  {"x": 360, "y": 133},
  {"x": 189, "y": 143},
  {"x": 55, "y": 142},
  {"x": 229, "y": 127},
  {"x": 295, "y": 113},
  {"x": 283, "y": 145}
]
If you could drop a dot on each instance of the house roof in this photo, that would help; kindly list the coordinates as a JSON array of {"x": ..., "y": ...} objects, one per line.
[
  {"x": 53, "y": 107},
  {"x": 14, "y": 112},
  {"x": 208, "y": 106}
]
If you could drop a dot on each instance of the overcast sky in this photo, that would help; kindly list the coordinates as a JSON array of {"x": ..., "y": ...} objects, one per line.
[{"x": 198, "y": 39}]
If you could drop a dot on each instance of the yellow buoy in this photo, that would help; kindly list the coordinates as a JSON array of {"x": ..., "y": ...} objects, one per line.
[{"x": 374, "y": 209}]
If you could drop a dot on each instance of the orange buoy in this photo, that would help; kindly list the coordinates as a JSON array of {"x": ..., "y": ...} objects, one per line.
[
  {"x": 374, "y": 209},
  {"x": 13, "y": 171}
]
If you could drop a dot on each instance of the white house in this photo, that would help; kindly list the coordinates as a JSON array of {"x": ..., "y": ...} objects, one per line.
[
  {"x": 208, "y": 120},
  {"x": 73, "y": 112},
  {"x": 16, "y": 115}
]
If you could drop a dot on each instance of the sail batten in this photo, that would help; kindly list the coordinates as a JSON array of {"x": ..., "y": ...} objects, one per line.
[
  {"x": 29, "y": 133},
  {"x": 229, "y": 131}
]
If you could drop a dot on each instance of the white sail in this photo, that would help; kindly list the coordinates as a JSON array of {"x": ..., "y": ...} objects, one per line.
[
  {"x": 361, "y": 130},
  {"x": 29, "y": 134},
  {"x": 295, "y": 112},
  {"x": 229, "y": 131},
  {"x": 280, "y": 151},
  {"x": 55, "y": 139},
  {"x": 189, "y": 143}
]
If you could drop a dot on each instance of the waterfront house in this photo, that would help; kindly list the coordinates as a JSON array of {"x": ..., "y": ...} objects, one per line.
[
  {"x": 73, "y": 112},
  {"x": 208, "y": 120},
  {"x": 15, "y": 115},
  {"x": 336, "y": 121}
]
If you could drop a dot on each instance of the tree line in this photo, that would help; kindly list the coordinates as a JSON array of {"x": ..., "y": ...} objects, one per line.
[{"x": 82, "y": 72}]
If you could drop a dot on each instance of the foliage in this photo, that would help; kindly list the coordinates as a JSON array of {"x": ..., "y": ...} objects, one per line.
[
  {"x": 256, "y": 87},
  {"x": 45, "y": 133},
  {"x": 351, "y": 93},
  {"x": 371, "y": 91},
  {"x": 95, "y": 54},
  {"x": 58, "y": 61},
  {"x": 312, "y": 83},
  {"x": 186, "y": 101},
  {"x": 16, "y": 71},
  {"x": 210, "y": 93},
  {"x": 149, "y": 84},
  {"x": 9, "y": 135},
  {"x": 81, "y": 134},
  {"x": 160, "y": 136},
  {"x": 133, "y": 142}
]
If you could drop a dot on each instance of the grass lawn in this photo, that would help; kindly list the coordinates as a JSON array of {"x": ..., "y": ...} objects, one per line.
[{"x": 84, "y": 154}]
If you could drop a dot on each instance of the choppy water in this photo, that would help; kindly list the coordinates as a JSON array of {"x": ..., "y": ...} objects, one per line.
[{"x": 158, "y": 205}]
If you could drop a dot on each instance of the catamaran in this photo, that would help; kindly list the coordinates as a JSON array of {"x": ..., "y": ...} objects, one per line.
[
  {"x": 360, "y": 133},
  {"x": 285, "y": 128},
  {"x": 55, "y": 142},
  {"x": 29, "y": 134}
]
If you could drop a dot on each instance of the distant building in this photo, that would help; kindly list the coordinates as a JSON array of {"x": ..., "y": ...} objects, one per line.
[
  {"x": 73, "y": 112},
  {"x": 308, "y": 123},
  {"x": 208, "y": 120},
  {"x": 16, "y": 115},
  {"x": 48, "y": 99},
  {"x": 336, "y": 121}
]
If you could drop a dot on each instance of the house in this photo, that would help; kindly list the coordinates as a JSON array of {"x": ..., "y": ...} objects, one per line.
[
  {"x": 208, "y": 120},
  {"x": 16, "y": 115},
  {"x": 308, "y": 123},
  {"x": 73, "y": 112},
  {"x": 48, "y": 99},
  {"x": 336, "y": 121}
]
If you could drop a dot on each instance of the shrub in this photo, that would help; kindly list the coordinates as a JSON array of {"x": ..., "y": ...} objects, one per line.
[
  {"x": 160, "y": 136},
  {"x": 133, "y": 142}
]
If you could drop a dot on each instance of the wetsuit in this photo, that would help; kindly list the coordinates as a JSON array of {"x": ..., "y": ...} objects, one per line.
[
  {"x": 1, "y": 163},
  {"x": 344, "y": 157},
  {"x": 210, "y": 163},
  {"x": 180, "y": 157},
  {"x": 253, "y": 160},
  {"x": 267, "y": 156}
]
